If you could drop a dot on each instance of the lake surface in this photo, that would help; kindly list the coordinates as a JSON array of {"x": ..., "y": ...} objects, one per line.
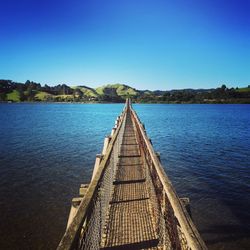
[{"x": 48, "y": 150}]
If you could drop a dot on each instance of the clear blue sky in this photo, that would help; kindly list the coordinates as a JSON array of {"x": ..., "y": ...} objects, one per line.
[{"x": 152, "y": 44}]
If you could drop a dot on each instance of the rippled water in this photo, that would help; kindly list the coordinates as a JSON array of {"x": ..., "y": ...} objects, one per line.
[{"x": 47, "y": 150}]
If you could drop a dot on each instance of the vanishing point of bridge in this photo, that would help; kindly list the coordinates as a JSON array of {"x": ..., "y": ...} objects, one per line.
[{"x": 130, "y": 202}]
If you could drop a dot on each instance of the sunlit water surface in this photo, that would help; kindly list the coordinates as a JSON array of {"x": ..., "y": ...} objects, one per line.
[{"x": 48, "y": 150}]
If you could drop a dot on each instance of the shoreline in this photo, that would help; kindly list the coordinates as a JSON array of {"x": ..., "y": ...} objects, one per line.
[{"x": 170, "y": 103}]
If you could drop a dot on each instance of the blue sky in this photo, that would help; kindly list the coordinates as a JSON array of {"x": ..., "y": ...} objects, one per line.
[{"x": 156, "y": 44}]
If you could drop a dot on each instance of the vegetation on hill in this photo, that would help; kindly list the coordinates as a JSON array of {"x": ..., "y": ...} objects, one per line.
[
  {"x": 13, "y": 96},
  {"x": 116, "y": 92},
  {"x": 31, "y": 91},
  {"x": 86, "y": 91}
]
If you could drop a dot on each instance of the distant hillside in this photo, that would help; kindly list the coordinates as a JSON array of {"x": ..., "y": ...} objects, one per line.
[
  {"x": 31, "y": 91},
  {"x": 87, "y": 91},
  {"x": 117, "y": 91}
]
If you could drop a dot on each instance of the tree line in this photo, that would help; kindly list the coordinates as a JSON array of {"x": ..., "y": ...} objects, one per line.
[
  {"x": 27, "y": 92},
  {"x": 28, "y": 89},
  {"x": 218, "y": 95}
]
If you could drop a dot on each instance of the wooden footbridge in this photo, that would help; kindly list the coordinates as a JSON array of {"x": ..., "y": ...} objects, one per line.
[{"x": 130, "y": 202}]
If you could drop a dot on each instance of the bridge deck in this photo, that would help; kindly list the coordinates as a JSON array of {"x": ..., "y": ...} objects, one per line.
[
  {"x": 129, "y": 204},
  {"x": 131, "y": 223}
]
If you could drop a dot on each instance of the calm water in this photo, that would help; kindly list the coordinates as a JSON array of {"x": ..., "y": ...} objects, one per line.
[{"x": 47, "y": 150}]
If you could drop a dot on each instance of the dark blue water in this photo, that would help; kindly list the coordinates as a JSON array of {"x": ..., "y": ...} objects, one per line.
[{"x": 47, "y": 150}]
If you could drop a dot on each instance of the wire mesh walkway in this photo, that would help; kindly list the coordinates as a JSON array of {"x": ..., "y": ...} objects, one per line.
[
  {"x": 131, "y": 223},
  {"x": 130, "y": 203}
]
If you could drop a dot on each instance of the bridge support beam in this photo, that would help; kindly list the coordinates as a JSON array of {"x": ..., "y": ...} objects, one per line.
[
  {"x": 117, "y": 122},
  {"x": 76, "y": 203},
  {"x": 74, "y": 207},
  {"x": 97, "y": 163},
  {"x": 83, "y": 189},
  {"x": 105, "y": 144},
  {"x": 113, "y": 131}
]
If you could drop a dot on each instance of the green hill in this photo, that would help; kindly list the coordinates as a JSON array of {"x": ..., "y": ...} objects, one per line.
[
  {"x": 13, "y": 96},
  {"x": 242, "y": 90},
  {"x": 43, "y": 96},
  {"x": 89, "y": 92},
  {"x": 119, "y": 90}
]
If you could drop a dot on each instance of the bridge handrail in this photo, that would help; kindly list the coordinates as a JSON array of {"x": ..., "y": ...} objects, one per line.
[
  {"x": 70, "y": 239},
  {"x": 193, "y": 238}
]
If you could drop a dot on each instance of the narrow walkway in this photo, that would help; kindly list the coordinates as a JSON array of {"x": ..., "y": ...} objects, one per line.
[
  {"x": 131, "y": 223},
  {"x": 129, "y": 204}
]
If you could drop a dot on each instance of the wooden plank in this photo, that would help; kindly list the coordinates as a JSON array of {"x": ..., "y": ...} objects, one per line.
[
  {"x": 130, "y": 173},
  {"x": 132, "y": 161},
  {"x": 130, "y": 191},
  {"x": 131, "y": 223}
]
